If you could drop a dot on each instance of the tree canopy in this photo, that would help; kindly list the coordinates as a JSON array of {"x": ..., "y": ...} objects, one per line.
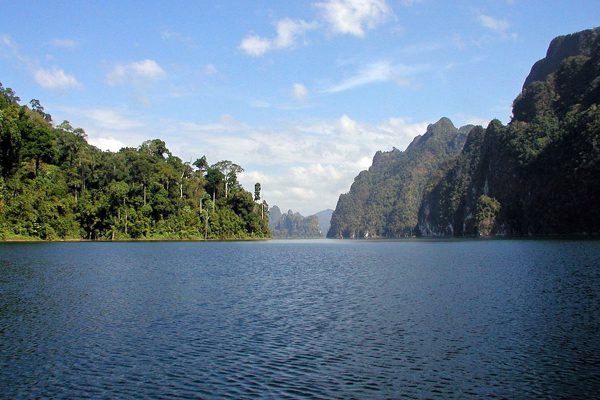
[{"x": 54, "y": 185}]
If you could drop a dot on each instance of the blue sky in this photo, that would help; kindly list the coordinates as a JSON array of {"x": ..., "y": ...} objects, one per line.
[{"x": 301, "y": 94}]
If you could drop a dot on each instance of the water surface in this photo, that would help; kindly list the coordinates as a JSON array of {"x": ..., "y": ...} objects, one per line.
[{"x": 301, "y": 319}]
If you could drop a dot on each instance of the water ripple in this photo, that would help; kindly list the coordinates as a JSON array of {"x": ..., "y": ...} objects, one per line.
[{"x": 311, "y": 320}]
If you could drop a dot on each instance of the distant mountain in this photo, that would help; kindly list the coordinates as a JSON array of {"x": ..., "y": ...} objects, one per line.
[
  {"x": 384, "y": 201},
  {"x": 324, "y": 220},
  {"x": 292, "y": 225}
]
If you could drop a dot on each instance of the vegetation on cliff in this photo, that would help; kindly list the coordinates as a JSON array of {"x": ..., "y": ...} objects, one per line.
[
  {"x": 384, "y": 201},
  {"x": 540, "y": 174},
  {"x": 542, "y": 171}
]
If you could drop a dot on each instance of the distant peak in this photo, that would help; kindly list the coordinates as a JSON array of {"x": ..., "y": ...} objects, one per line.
[
  {"x": 443, "y": 126},
  {"x": 443, "y": 123}
]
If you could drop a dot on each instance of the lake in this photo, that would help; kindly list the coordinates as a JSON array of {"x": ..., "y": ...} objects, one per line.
[{"x": 301, "y": 319}]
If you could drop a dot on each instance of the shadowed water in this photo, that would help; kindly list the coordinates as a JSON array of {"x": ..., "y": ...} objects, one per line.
[{"x": 301, "y": 319}]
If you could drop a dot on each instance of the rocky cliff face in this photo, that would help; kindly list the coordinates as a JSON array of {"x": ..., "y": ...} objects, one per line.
[
  {"x": 384, "y": 201},
  {"x": 541, "y": 173},
  {"x": 561, "y": 48},
  {"x": 293, "y": 225}
]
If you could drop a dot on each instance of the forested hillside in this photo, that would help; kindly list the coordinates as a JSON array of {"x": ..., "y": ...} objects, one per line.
[
  {"x": 384, "y": 201},
  {"x": 54, "y": 185},
  {"x": 540, "y": 174}
]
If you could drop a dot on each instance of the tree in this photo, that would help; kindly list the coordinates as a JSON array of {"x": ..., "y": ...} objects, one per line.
[
  {"x": 257, "y": 191},
  {"x": 8, "y": 95},
  {"x": 53, "y": 184},
  {"x": 37, "y": 107},
  {"x": 10, "y": 141},
  {"x": 230, "y": 170},
  {"x": 38, "y": 146},
  {"x": 155, "y": 148},
  {"x": 201, "y": 163}
]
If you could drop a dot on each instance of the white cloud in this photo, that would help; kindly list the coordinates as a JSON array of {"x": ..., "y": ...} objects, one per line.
[
  {"x": 299, "y": 91},
  {"x": 255, "y": 46},
  {"x": 109, "y": 128},
  {"x": 354, "y": 16},
  {"x": 381, "y": 71},
  {"x": 288, "y": 32},
  {"x": 303, "y": 166},
  {"x": 498, "y": 25},
  {"x": 140, "y": 70},
  {"x": 55, "y": 79},
  {"x": 110, "y": 119},
  {"x": 65, "y": 43},
  {"x": 107, "y": 143}
]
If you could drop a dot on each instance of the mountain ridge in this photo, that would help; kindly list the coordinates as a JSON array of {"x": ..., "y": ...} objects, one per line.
[{"x": 538, "y": 175}]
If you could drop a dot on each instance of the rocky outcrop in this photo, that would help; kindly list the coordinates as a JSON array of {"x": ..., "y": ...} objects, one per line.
[
  {"x": 293, "y": 225},
  {"x": 540, "y": 174},
  {"x": 384, "y": 200}
]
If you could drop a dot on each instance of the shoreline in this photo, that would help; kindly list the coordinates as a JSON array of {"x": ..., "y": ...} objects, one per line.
[{"x": 576, "y": 237}]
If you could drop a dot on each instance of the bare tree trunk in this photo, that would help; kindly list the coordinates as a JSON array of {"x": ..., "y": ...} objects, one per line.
[
  {"x": 181, "y": 186},
  {"x": 206, "y": 227},
  {"x": 144, "y": 193}
]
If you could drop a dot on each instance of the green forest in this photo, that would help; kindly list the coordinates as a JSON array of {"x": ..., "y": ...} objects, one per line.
[{"x": 56, "y": 186}]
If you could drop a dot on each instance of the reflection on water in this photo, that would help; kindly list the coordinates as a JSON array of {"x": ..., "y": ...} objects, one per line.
[{"x": 320, "y": 319}]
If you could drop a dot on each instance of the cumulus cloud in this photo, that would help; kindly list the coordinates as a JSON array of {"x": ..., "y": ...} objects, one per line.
[
  {"x": 55, "y": 79},
  {"x": 381, "y": 71},
  {"x": 107, "y": 143},
  {"x": 303, "y": 166},
  {"x": 139, "y": 70},
  {"x": 354, "y": 17},
  {"x": 288, "y": 32},
  {"x": 108, "y": 128},
  {"x": 299, "y": 91}
]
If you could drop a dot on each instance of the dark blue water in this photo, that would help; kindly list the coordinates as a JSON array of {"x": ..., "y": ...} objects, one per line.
[{"x": 323, "y": 319}]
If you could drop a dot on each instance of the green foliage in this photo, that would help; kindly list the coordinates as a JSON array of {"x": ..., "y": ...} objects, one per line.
[
  {"x": 487, "y": 211},
  {"x": 54, "y": 185},
  {"x": 384, "y": 201},
  {"x": 544, "y": 167}
]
